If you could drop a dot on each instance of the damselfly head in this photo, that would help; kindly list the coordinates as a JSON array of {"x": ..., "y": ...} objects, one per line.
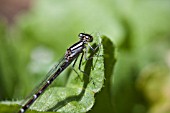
[{"x": 85, "y": 37}]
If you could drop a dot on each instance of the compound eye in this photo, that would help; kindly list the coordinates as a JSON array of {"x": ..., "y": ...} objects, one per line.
[
  {"x": 80, "y": 35},
  {"x": 87, "y": 37}
]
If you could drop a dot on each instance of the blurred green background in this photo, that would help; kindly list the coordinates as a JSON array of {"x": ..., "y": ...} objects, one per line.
[{"x": 35, "y": 34}]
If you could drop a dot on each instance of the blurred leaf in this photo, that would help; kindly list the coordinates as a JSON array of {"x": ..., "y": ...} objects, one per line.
[{"x": 7, "y": 107}]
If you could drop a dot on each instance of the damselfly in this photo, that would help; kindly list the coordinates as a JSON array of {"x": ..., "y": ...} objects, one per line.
[{"x": 71, "y": 55}]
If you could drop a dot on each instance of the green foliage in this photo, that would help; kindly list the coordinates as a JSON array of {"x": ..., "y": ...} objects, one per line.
[
  {"x": 105, "y": 95},
  {"x": 140, "y": 30}
]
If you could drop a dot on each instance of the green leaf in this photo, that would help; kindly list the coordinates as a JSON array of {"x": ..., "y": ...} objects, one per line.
[
  {"x": 79, "y": 93},
  {"x": 103, "y": 99}
]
